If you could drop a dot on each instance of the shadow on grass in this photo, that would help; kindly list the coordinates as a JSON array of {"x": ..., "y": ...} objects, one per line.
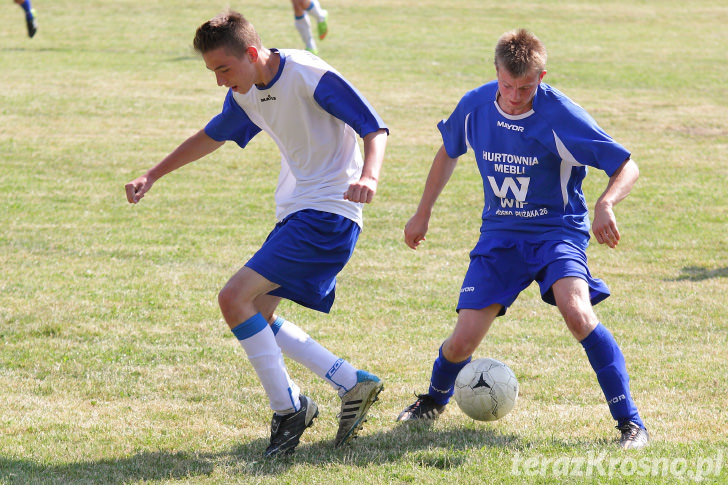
[
  {"x": 75, "y": 51},
  {"x": 412, "y": 442},
  {"x": 143, "y": 466},
  {"x": 700, "y": 273}
]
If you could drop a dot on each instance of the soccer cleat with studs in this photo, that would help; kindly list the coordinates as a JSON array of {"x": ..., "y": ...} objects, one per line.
[
  {"x": 424, "y": 407},
  {"x": 633, "y": 436},
  {"x": 286, "y": 429},
  {"x": 31, "y": 23},
  {"x": 355, "y": 404},
  {"x": 323, "y": 26}
]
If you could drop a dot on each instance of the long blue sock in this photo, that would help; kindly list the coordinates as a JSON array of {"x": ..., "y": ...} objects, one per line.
[
  {"x": 27, "y": 7},
  {"x": 607, "y": 360},
  {"x": 442, "y": 382}
]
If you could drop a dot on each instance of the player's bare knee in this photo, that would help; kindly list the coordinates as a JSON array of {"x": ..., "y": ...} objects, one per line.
[
  {"x": 227, "y": 299},
  {"x": 457, "y": 349},
  {"x": 580, "y": 324}
]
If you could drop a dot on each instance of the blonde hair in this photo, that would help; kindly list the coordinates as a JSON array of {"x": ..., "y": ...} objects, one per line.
[{"x": 520, "y": 53}]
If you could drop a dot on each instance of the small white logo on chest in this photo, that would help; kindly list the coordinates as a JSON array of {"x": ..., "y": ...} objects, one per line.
[{"x": 509, "y": 126}]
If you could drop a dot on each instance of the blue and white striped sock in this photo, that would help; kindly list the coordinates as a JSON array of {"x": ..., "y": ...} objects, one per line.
[{"x": 259, "y": 343}]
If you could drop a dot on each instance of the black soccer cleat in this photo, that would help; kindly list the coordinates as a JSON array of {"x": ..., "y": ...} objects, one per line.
[
  {"x": 31, "y": 23},
  {"x": 633, "y": 437},
  {"x": 286, "y": 430},
  {"x": 424, "y": 407}
]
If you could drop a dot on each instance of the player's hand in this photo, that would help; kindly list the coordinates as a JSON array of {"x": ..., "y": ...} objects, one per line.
[
  {"x": 605, "y": 226},
  {"x": 136, "y": 189},
  {"x": 415, "y": 230},
  {"x": 362, "y": 191}
]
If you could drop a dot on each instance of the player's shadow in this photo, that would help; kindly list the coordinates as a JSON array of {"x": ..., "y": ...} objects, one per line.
[
  {"x": 700, "y": 273},
  {"x": 165, "y": 55},
  {"x": 435, "y": 449},
  {"x": 158, "y": 465},
  {"x": 414, "y": 442}
]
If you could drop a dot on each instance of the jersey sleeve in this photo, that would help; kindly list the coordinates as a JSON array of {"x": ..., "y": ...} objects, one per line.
[
  {"x": 232, "y": 124},
  {"x": 339, "y": 98},
  {"x": 454, "y": 129},
  {"x": 584, "y": 140}
]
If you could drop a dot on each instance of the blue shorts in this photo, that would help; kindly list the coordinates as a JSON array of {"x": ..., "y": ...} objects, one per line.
[
  {"x": 304, "y": 253},
  {"x": 500, "y": 269}
]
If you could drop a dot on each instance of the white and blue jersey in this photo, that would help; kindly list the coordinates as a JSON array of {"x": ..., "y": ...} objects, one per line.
[
  {"x": 532, "y": 164},
  {"x": 314, "y": 115}
]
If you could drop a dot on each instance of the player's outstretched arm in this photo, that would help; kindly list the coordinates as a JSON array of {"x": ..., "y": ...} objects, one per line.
[
  {"x": 194, "y": 148},
  {"x": 440, "y": 173},
  {"x": 619, "y": 186},
  {"x": 363, "y": 191}
]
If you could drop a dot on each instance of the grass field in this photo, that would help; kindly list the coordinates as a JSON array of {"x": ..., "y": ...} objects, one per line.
[{"x": 116, "y": 365}]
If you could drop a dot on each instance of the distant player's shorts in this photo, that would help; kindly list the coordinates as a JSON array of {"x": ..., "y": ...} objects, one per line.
[
  {"x": 500, "y": 269},
  {"x": 304, "y": 253}
]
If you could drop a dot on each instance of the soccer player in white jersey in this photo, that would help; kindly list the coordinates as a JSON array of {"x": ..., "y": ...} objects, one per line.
[
  {"x": 532, "y": 145},
  {"x": 301, "y": 10},
  {"x": 314, "y": 115}
]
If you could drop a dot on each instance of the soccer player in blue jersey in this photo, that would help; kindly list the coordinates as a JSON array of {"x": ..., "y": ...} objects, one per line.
[
  {"x": 532, "y": 145},
  {"x": 314, "y": 115}
]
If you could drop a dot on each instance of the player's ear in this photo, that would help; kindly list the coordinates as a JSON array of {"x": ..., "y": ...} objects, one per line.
[
  {"x": 252, "y": 51},
  {"x": 543, "y": 73}
]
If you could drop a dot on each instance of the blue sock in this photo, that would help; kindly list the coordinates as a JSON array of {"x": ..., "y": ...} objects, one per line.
[
  {"x": 607, "y": 360},
  {"x": 27, "y": 7},
  {"x": 442, "y": 382}
]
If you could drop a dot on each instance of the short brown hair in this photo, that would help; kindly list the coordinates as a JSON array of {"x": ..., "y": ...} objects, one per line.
[
  {"x": 228, "y": 29},
  {"x": 520, "y": 52}
]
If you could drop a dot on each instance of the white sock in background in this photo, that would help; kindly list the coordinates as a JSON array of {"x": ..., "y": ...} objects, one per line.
[{"x": 303, "y": 25}]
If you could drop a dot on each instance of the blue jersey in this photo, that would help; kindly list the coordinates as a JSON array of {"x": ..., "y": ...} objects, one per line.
[{"x": 532, "y": 164}]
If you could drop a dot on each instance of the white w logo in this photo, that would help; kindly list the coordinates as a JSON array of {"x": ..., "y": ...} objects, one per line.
[{"x": 509, "y": 183}]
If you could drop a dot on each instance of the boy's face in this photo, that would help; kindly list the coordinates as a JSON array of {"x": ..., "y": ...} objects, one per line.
[
  {"x": 516, "y": 94},
  {"x": 236, "y": 73}
]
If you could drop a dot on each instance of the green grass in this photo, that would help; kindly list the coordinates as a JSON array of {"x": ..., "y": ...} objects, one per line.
[{"x": 115, "y": 364}]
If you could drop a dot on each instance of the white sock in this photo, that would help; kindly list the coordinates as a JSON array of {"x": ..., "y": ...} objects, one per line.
[
  {"x": 299, "y": 346},
  {"x": 267, "y": 360},
  {"x": 315, "y": 8},
  {"x": 303, "y": 25}
]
